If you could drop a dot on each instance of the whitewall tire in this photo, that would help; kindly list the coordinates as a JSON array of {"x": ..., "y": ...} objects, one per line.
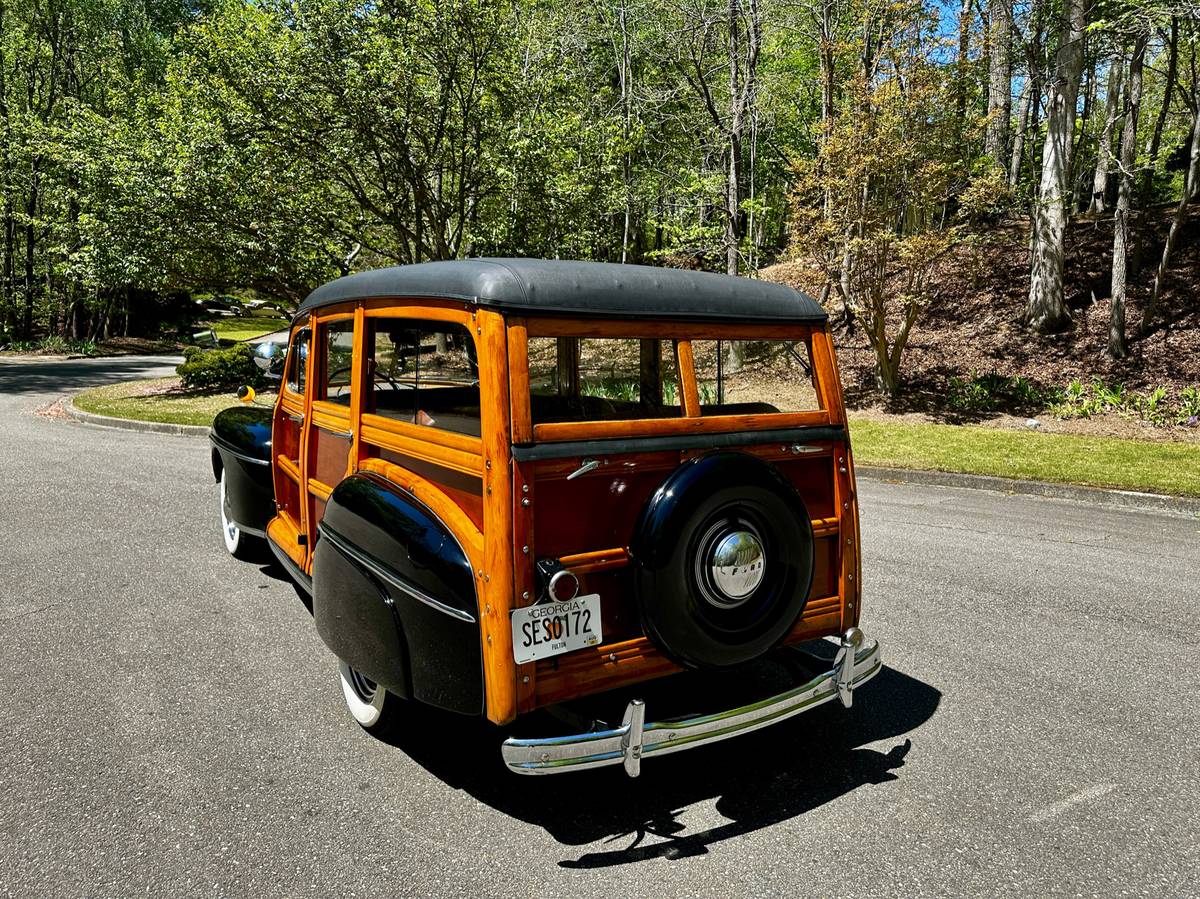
[
  {"x": 229, "y": 530},
  {"x": 369, "y": 703},
  {"x": 240, "y": 544}
]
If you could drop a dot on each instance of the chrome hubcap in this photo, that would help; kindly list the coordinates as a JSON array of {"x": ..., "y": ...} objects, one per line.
[{"x": 737, "y": 565}]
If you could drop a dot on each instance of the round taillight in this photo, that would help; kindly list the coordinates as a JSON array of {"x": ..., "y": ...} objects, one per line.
[{"x": 563, "y": 586}]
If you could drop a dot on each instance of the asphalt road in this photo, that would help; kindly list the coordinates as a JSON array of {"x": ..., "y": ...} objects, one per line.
[{"x": 171, "y": 725}]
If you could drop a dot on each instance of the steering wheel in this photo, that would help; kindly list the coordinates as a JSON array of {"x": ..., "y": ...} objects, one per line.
[
  {"x": 395, "y": 385},
  {"x": 333, "y": 375}
]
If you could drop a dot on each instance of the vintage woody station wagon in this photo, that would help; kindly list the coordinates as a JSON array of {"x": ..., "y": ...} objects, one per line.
[{"x": 510, "y": 483}]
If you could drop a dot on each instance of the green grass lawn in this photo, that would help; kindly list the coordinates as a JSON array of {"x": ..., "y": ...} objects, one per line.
[
  {"x": 158, "y": 399},
  {"x": 244, "y": 327},
  {"x": 1172, "y": 468},
  {"x": 1155, "y": 467}
]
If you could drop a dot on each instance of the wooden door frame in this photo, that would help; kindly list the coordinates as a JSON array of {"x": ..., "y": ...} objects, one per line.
[{"x": 324, "y": 416}]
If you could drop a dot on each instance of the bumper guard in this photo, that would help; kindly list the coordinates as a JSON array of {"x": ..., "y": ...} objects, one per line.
[{"x": 857, "y": 661}]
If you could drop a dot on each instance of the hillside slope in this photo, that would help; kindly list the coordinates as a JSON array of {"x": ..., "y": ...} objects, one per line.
[{"x": 973, "y": 324}]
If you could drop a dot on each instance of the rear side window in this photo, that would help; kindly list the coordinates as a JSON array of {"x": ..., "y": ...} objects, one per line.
[
  {"x": 602, "y": 379},
  {"x": 298, "y": 360},
  {"x": 424, "y": 373},
  {"x": 770, "y": 376}
]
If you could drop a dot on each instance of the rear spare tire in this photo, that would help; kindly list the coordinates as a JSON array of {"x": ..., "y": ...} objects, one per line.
[{"x": 724, "y": 560}]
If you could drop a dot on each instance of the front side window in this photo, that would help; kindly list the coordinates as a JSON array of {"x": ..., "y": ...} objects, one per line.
[
  {"x": 424, "y": 373},
  {"x": 337, "y": 361},
  {"x": 602, "y": 379},
  {"x": 298, "y": 360}
]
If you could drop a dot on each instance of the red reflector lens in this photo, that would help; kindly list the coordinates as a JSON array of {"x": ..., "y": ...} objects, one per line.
[{"x": 563, "y": 586}]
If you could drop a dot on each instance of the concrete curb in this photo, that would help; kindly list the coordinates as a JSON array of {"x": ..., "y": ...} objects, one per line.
[
  {"x": 1121, "y": 499},
  {"x": 129, "y": 424}
]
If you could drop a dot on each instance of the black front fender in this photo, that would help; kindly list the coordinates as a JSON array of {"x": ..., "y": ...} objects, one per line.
[{"x": 241, "y": 439}]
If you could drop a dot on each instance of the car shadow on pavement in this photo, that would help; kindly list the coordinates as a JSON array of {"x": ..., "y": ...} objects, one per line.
[{"x": 756, "y": 780}]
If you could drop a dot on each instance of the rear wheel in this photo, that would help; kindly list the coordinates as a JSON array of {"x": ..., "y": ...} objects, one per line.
[
  {"x": 240, "y": 545},
  {"x": 370, "y": 704}
]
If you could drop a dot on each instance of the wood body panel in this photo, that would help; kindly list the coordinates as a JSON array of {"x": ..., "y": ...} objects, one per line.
[
  {"x": 606, "y": 667},
  {"x": 530, "y": 510},
  {"x": 497, "y": 587},
  {"x": 663, "y": 427}
]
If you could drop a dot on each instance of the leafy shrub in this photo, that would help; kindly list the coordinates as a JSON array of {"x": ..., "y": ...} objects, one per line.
[
  {"x": 1189, "y": 407},
  {"x": 221, "y": 369},
  {"x": 993, "y": 392},
  {"x": 612, "y": 388},
  {"x": 629, "y": 389},
  {"x": 54, "y": 345},
  {"x": 1151, "y": 406},
  {"x": 1155, "y": 407}
]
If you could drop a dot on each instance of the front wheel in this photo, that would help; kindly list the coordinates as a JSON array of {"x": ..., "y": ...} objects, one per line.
[
  {"x": 240, "y": 545},
  {"x": 370, "y": 704}
]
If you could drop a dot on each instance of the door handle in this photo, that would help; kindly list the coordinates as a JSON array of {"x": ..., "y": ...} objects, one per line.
[{"x": 588, "y": 465}]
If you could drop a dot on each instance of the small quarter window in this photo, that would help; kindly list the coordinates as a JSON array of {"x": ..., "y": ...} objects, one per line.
[
  {"x": 602, "y": 379},
  {"x": 424, "y": 373},
  {"x": 298, "y": 360}
]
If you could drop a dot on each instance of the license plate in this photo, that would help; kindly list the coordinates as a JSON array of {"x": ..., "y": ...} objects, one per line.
[{"x": 552, "y": 628}]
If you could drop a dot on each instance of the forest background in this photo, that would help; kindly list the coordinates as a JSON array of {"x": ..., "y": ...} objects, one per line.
[{"x": 991, "y": 198}]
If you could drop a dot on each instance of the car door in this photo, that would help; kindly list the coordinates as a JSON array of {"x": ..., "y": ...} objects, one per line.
[
  {"x": 287, "y": 434},
  {"x": 329, "y": 428}
]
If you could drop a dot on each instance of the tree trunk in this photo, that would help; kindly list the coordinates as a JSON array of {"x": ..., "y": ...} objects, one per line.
[
  {"x": 1190, "y": 187},
  {"x": 742, "y": 89},
  {"x": 1112, "y": 111},
  {"x": 966, "y": 14},
  {"x": 7, "y": 271},
  {"x": 625, "y": 72},
  {"x": 1024, "y": 112},
  {"x": 999, "y": 79},
  {"x": 1077, "y": 179},
  {"x": 733, "y": 172},
  {"x": 827, "y": 60},
  {"x": 1047, "y": 310},
  {"x": 1146, "y": 177},
  {"x": 30, "y": 251},
  {"x": 1117, "y": 346},
  {"x": 1155, "y": 141}
]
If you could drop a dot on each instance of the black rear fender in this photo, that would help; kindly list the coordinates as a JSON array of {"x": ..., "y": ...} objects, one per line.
[{"x": 394, "y": 595}]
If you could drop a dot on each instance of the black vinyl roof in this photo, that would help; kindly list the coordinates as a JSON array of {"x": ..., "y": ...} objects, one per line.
[{"x": 541, "y": 286}]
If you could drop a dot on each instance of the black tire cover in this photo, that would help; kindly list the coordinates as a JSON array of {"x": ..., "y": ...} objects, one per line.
[{"x": 683, "y": 606}]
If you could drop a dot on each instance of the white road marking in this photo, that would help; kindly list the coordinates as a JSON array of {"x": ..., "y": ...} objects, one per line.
[{"x": 1085, "y": 795}]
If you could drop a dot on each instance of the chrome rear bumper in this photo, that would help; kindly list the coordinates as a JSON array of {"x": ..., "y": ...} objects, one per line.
[{"x": 858, "y": 660}]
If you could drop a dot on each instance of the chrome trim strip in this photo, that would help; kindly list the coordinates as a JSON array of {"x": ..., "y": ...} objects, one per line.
[
  {"x": 346, "y": 548},
  {"x": 237, "y": 454},
  {"x": 633, "y": 741}
]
